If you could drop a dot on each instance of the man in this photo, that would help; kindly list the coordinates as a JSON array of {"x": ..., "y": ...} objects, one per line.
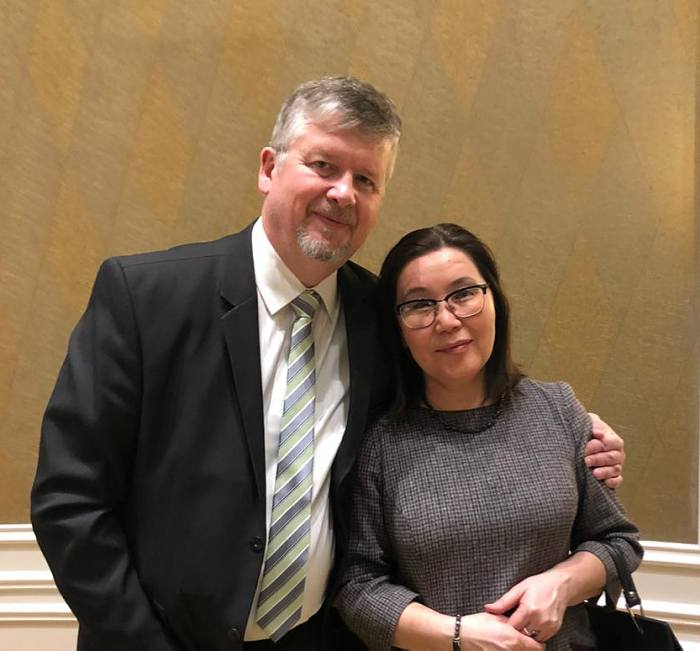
[{"x": 179, "y": 428}]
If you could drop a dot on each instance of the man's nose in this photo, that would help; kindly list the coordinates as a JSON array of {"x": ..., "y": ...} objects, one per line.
[{"x": 343, "y": 191}]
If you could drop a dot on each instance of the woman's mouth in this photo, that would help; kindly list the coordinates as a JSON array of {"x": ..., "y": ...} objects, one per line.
[{"x": 455, "y": 347}]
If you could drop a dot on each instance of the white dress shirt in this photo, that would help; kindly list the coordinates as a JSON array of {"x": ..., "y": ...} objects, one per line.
[{"x": 277, "y": 287}]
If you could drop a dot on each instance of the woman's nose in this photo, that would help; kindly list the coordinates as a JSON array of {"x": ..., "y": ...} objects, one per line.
[{"x": 445, "y": 319}]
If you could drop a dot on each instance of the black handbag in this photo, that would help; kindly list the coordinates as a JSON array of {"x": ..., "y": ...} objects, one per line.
[{"x": 616, "y": 630}]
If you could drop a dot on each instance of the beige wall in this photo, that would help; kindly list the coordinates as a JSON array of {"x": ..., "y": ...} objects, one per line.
[{"x": 562, "y": 131}]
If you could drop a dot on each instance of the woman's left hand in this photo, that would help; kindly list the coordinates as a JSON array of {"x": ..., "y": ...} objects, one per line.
[{"x": 538, "y": 604}]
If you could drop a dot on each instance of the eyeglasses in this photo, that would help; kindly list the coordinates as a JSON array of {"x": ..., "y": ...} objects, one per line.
[{"x": 463, "y": 303}]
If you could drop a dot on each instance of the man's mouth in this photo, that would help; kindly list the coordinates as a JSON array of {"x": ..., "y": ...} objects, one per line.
[{"x": 342, "y": 217}]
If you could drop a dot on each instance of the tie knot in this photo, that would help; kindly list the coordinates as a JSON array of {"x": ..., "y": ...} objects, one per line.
[{"x": 306, "y": 304}]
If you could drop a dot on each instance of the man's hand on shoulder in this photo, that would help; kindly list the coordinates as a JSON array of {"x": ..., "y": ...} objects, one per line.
[{"x": 605, "y": 453}]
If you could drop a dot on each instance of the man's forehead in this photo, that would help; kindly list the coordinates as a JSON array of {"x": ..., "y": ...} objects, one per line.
[{"x": 339, "y": 128}]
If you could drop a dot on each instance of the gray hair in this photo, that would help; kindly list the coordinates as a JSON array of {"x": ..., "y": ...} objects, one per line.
[{"x": 341, "y": 103}]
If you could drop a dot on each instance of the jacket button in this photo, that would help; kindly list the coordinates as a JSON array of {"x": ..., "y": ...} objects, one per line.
[
  {"x": 257, "y": 544},
  {"x": 234, "y": 634}
]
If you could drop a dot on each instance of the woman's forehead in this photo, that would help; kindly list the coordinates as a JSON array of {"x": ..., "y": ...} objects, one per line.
[{"x": 443, "y": 269}]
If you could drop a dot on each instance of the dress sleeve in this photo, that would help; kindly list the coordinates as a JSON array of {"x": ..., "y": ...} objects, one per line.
[
  {"x": 601, "y": 521},
  {"x": 369, "y": 601}
]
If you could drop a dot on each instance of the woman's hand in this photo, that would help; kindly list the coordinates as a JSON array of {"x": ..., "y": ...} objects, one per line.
[
  {"x": 538, "y": 604},
  {"x": 540, "y": 601},
  {"x": 487, "y": 632}
]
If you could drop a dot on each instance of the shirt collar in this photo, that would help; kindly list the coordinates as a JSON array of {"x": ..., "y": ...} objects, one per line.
[{"x": 277, "y": 285}]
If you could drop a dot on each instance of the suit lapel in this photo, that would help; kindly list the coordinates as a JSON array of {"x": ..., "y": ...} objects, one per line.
[
  {"x": 361, "y": 332},
  {"x": 241, "y": 332}
]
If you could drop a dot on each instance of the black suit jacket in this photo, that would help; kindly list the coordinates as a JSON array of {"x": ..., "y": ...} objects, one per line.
[{"x": 149, "y": 498}]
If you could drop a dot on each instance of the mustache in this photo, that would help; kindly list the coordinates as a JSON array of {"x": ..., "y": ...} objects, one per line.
[{"x": 344, "y": 215}]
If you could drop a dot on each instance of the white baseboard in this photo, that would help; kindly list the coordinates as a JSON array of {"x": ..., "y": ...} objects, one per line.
[{"x": 668, "y": 580}]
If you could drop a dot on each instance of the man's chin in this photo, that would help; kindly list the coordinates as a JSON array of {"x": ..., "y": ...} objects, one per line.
[{"x": 322, "y": 250}]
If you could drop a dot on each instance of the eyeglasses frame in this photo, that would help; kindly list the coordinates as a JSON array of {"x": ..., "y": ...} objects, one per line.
[{"x": 482, "y": 286}]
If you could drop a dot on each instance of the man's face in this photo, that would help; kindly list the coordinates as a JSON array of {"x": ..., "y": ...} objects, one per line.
[{"x": 323, "y": 196}]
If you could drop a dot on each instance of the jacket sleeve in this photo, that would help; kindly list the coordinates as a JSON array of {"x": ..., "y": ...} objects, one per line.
[
  {"x": 88, "y": 441},
  {"x": 601, "y": 521},
  {"x": 371, "y": 599}
]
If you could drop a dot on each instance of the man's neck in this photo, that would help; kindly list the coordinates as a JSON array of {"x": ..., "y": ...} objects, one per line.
[{"x": 311, "y": 272}]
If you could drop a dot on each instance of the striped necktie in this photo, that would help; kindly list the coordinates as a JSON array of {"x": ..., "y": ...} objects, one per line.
[{"x": 282, "y": 589}]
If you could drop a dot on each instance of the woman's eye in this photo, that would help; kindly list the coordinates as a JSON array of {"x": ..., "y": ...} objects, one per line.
[
  {"x": 464, "y": 295},
  {"x": 420, "y": 306}
]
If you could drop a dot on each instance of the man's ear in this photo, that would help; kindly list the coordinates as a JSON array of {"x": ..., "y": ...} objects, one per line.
[{"x": 268, "y": 160}]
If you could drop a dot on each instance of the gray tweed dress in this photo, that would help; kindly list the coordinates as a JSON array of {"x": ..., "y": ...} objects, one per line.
[{"x": 454, "y": 520}]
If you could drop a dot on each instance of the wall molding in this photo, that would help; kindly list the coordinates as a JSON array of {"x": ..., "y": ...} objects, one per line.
[
  {"x": 28, "y": 594},
  {"x": 668, "y": 580},
  {"x": 669, "y": 583}
]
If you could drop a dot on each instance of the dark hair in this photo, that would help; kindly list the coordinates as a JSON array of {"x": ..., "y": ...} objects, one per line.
[{"x": 408, "y": 383}]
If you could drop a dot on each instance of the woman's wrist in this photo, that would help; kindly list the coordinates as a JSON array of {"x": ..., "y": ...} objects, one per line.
[
  {"x": 580, "y": 576},
  {"x": 420, "y": 627},
  {"x": 456, "y": 636}
]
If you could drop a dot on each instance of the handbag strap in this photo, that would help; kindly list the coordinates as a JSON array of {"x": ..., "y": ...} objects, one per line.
[{"x": 629, "y": 590}]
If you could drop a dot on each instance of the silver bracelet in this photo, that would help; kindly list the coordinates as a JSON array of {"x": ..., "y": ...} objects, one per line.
[{"x": 456, "y": 642}]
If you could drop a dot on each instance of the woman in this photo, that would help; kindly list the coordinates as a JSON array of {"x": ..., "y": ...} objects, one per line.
[{"x": 476, "y": 524}]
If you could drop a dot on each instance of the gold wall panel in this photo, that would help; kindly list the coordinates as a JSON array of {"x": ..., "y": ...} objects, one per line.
[{"x": 562, "y": 131}]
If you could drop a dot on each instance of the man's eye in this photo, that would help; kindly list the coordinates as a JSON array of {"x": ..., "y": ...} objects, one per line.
[
  {"x": 365, "y": 181},
  {"x": 321, "y": 166}
]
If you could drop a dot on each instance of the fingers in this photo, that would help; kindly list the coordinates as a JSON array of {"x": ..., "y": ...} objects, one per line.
[
  {"x": 507, "y": 602},
  {"x": 597, "y": 423},
  {"x": 529, "y": 641},
  {"x": 537, "y": 624},
  {"x": 595, "y": 445},
  {"x": 606, "y": 436},
  {"x": 520, "y": 618},
  {"x": 614, "y": 482},
  {"x": 532, "y": 633},
  {"x": 605, "y": 460},
  {"x": 606, "y": 470},
  {"x": 540, "y": 632},
  {"x": 530, "y": 644}
]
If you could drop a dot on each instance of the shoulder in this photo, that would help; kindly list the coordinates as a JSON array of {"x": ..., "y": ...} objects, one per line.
[
  {"x": 376, "y": 432},
  {"x": 182, "y": 270},
  {"x": 383, "y": 432},
  {"x": 352, "y": 276},
  {"x": 391, "y": 431},
  {"x": 186, "y": 279},
  {"x": 536, "y": 391},
  {"x": 555, "y": 401},
  {"x": 184, "y": 255}
]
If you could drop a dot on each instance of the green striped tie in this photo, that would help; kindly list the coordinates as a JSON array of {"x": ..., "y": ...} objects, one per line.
[{"x": 282, "y": 590}]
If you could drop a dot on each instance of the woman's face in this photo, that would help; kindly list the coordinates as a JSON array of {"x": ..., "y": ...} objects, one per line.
[{"x": 452, "y": 352}]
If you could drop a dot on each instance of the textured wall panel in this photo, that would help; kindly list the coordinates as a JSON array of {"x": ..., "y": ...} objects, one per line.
[{"x": 562, "y": 131}]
